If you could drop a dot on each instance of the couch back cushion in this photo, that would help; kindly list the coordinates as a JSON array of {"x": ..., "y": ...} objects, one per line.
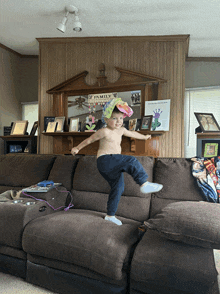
[
  {"x": 175, "y": 174},
  {"x": 63, "y": 170},
  {"x": 23, "y": 170},
  {"x": 90, "y": 190}
]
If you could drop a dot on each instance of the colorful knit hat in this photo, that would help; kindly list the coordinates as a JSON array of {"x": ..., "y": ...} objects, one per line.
[{"x": 121, "y": 105}]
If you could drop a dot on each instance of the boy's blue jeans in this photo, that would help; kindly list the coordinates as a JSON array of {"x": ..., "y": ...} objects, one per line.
[{"x": 111, "y": 167}]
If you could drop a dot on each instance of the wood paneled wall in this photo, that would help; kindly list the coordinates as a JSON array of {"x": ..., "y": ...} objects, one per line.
[{"x": 162, "y": 56}]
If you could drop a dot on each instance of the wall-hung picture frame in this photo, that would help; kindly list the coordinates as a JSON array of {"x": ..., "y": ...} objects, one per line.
[
  {"x": 146, "y": 123},
  {"x": 160, "y": 109},
  {"x": 51, "y": 127},
  {"x": 211, "y": 150},
  {"x": 74, "y": 125},
  {"x": 19, "y": 127},
  {"x": 207, "y": 122},
  {"x": 60, "y": 123},
  {"x": 34, "y": 128},
  {"x": 132, "y": 124}
]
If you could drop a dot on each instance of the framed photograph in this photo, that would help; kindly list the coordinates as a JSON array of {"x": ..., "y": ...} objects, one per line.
[
  {"x": 51, "y": 127},
  {"x": 74, "y": 125},
  {"x": 60, "y": 123},
  {"x": 15, "y": 149},
  {"x": 132, "y": 124},
  {"x": 207, "y": 122},
  {"x": 34, "y": 128},
  {"x": 19, "y": 127},
  {"x": 146, "y": 123},
  {"x": 211, "y": 149},
  {"x": 48, "y": 119}
]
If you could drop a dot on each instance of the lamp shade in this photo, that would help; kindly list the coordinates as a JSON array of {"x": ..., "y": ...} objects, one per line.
[
  {"x": 77, "y": 26},
  {"x": 62, "y": 25}
]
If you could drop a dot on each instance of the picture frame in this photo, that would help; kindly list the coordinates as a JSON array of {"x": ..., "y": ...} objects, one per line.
[
  {"x": 19, "y": 127},
  {"x": 51, "y": 127},
  {"x": 160, "y": 109},
  {"x": 211, "y": 149},
  {"x": 48, "y": 119},
  {"x": 146, "y": 123},
  {"x": 207, "y": 122},
  {"x": 34, "y": 128},
  {"x": 74, "y": 125},
  {"x": 138, "y": 126},
  {"x": 60, "y": 123},
  {"x": 132, "y": 124}
]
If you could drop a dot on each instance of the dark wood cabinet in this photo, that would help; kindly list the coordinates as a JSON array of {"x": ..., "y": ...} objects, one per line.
[{"x": 19, "y": 144}]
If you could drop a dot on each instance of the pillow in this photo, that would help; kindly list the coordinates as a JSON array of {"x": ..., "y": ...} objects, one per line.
[{"x": 194, "y": 223}]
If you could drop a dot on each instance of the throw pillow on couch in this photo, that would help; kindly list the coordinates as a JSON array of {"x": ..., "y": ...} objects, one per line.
[{"x": 191, "y": 222}]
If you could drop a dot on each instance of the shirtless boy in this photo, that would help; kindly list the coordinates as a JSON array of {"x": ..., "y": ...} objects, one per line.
[{"x": 110, "y": 162}]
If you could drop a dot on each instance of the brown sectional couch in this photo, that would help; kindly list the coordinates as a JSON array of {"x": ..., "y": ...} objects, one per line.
[{"x": 77, "y": 251}]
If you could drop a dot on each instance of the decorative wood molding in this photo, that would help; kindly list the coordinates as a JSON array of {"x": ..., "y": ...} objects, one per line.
[
  {"x": 77, "y": 84},
  {"x": 165, "y": 38}
]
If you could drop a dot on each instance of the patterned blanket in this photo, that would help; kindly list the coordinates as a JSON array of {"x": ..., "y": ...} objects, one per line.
[{"x": 207, "y": 173}]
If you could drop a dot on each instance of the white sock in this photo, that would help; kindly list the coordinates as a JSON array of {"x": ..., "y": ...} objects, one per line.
[
  {"x": 149, "y": 187},
  {"x": 114, "y": 220}
]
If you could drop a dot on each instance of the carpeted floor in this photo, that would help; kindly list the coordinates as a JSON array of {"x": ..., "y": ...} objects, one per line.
[{"x": 14, "y": 285}]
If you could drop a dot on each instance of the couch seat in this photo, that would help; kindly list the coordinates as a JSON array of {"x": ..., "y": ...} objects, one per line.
[
  {"x": 83, "y": 238},
  {"x": 166, "y": 266}
]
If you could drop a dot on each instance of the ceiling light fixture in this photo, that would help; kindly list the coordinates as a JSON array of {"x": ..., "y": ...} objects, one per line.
[{"x": 77, "y": 24}]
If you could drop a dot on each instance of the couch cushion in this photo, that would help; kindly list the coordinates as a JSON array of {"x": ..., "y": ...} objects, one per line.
[
  {"x": 87, "y": 176},
  {"x": 164, "y": 264},
  {"x": 136, "y": 208},
  {"x": 25, "y": 170},
  {"x": 15, "y": 216},
  {"x": 176, "y": 177},
  {"x": 82, "y": 238},
  {"x": 178, "y": 183},
  {"x": 90, "y": 187},
  {"x": 195, "y": 223},
  {"x": 63, "y": 170}
]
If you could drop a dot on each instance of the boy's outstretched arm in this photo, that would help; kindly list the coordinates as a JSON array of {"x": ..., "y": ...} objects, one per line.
[
  {"x": 135, "y": 135},
  {"x": 95, "y": 137}
]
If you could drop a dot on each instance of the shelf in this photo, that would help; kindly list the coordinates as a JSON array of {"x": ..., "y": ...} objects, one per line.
[
  {"x": 63, "y": 134},
  {"x": 23, "y": 141}
]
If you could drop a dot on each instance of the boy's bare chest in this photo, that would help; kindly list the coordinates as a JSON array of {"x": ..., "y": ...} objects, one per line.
[{"x": 114, "y": 136}]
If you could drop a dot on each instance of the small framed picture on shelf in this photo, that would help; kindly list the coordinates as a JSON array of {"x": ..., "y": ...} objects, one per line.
[
  {"x": 48, "y": 119},
  {"x": 34, "y": 128},
  {"x": 132, "y": 124},
  {"x": 60, "y": 123},
  {"x": 211, "y": 149},
  {"x": 51, "y": 127},
  {"x": 74, "y": 125},
  {"x": 146, "y": 123},
  {"x": 15, "y": 149},
  {"x": 19, "y": 127},
  {"x": 207, "y": 122}
]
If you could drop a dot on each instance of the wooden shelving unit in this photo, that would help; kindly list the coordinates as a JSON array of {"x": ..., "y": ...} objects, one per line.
[
  {"x": 26, "y": 142},
  {"x": 65, "y": 141}
]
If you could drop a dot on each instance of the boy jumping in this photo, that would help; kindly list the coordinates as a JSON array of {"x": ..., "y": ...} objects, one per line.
[{"x": 110, "y": 162}]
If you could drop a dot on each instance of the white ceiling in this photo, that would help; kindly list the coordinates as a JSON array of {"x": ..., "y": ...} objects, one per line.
[{"x": 22, "y": 21}]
